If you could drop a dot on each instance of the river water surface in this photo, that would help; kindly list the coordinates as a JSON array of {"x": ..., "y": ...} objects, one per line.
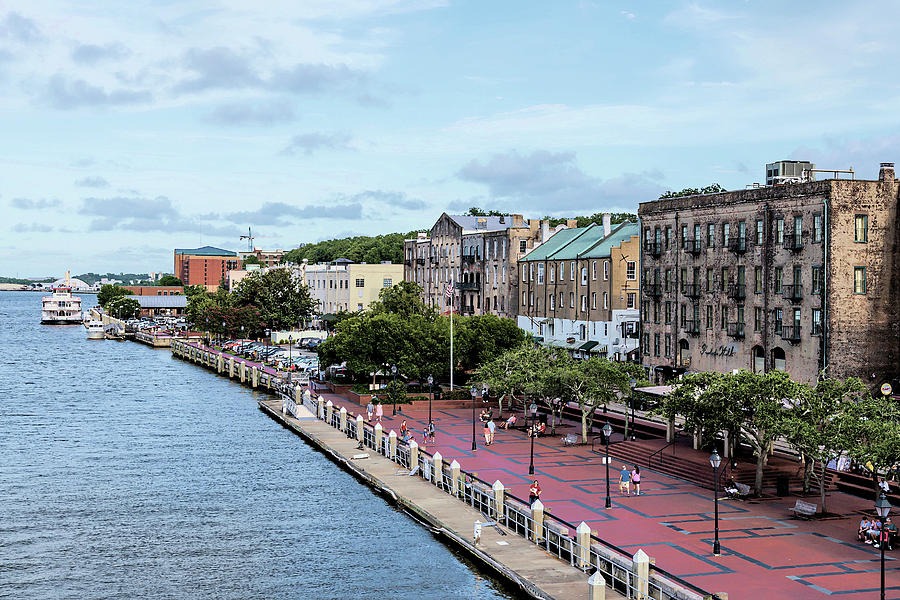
[{"x": 125, "y": 473}]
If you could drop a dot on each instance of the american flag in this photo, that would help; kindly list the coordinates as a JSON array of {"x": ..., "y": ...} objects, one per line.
[{"x": 448, "y": 290}]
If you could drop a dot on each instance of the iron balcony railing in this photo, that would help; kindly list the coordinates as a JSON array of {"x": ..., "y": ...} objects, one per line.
[
  {"x": 652, "y": 288},
  {"x": 692, "y": 327},
  {"x": 736, "y": 330},
  {"x": 738, "y": 244},
  {"x": 793, "y": 241},
  {"x": 691, "y": 290},
  {"x": 693, "y": 246},
  {"x": 790, "y": 333},
  {"x": 420, "y": 261},
  {"x": 737, "y": 291},
  {"x": 469, "y": 259},
  {"x": 466, "y": 285},
  {"x": 653, "y": 248},
  {"x": 792, "y": 292}
]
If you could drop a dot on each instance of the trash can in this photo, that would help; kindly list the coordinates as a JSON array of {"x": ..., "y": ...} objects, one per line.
[{"x": 782, "y": 485}]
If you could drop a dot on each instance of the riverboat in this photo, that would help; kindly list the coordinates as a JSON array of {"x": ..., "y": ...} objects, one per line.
[{"x": 61, "y": 307}]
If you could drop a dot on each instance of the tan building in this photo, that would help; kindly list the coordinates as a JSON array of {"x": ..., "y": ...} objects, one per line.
[
  {"x": 267, "y": 258},
  {"x": 579, "y": 290},
  {"x": 345, "y": 285},
  {"x": 477, "y": 257},
  {"x": 800, "y": 277}
]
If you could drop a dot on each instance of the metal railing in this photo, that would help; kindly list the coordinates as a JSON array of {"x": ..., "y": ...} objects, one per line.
[
  {"x": 652, "y": 288},
  {"x": 737, "y": 291},
  {"x": 691, "y": 290},
  {"x": 792, "y": 292},
  {"x": 736, "y": 330},
  {"x": 653, "y": 248},
  {"x": 738, "y": 245}
]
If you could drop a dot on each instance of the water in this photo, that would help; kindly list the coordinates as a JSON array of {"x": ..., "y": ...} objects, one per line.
[{"x": 125, "y": 473}]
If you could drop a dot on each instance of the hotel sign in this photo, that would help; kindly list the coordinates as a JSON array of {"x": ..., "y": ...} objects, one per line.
[{"x": 726, "y": 351}]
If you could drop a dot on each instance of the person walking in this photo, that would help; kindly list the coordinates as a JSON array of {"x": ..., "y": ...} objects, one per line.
[
  {"x": 625, "y": 480},
  {"x": 429, "y": 432},
  {"x": 379, "y": 412},
  {"x": 370, "y": 410},
  {"x": 403, "y": 428},
  {"x": 487, "y": 434},
  {"x": 534, "y": 492},
  {"x": 636, "y": 480},
  {"x": 491, "y": 429}
]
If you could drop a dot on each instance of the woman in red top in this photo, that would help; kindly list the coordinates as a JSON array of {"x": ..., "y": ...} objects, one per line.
[{"x": 534, "y": 492}]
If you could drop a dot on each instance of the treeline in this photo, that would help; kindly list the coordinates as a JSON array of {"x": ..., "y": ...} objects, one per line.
[
  {"x": 363, "y": 248},
  {"x": 596, "y": 218},
  {"x": 92, "y": 278},
  {"x": 19, "y": 281}
]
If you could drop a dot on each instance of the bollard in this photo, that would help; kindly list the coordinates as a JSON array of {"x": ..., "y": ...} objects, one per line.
[
  {"x": 438, "y": 468},
  {"x": 379, "y": 432},
  {"x": 454, "y": 478},
  {"x": 583, "y": 538},
  {"x": 329, "y": 410},
  {"x": 221, "y": 365},
  {"x": 231, "y": 368},
  {"x": 343, "y": 420},
  {"x": 392, "y": 445},
  {"x": 298, "y": 394},
  {"x": 320, "y": 410},
  {"x": 413, "y": 454},
  {"x": 596, "y": 587},
  {"x": 359, "y": 429},
  {"x": 499, "y": 500},
  {"x": 254, "y": 377},
  {"x": 641, "y": 571},
  {"x": 243, "y": 374},
  {"x": 537, "y": 521}
]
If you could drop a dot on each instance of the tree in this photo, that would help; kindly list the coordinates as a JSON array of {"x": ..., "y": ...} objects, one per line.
[
  {"x": 477, "y": 212},
  {"x": 596, "y": 218},
  {"x": 124, "y": 308},
  {"x": 875, "y": 435},
  {"x": 109, "y": 292},
  {"x": 714, "y": 188},
  {"x": 403, "y": 298},
  {"x": 168, "y": 280},
  {"x": 251, "y": 260},
  {"x": 388, "y": 247},
  {"x": 592, "y": 383},
  {"x": 280, "y": 298},
  {"x": 395, "y": 392}
]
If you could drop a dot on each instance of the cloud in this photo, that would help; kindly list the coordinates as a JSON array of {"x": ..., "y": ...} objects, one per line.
[
  {"x": 92, "y": 182},
  {"x": 544, "y": 179},
  {"x": 865, "y": 154},
  {"x": 393, "y": 199},
  {"x": 628, "y": 15},
  {"x": 20, "y": 29},
  {"x": 123, "y": 213},
  {"x": 90, "y": 54},
  {"x": 217, "y": 68},
  {"x": 309, "y": 143},
  {"x": 248, "y": 113},
  {"x": 275, "y": 213},
  {"x": 312, "y": 78},
  {"x": 32, "y": 228},
  {"x": 29, "y": 204},
  {"x": 83, "y": 162},
  {"x": 68, "y": 94}
]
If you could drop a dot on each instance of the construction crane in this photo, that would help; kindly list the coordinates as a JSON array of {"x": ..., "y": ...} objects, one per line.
[{"x": 249, "y": 237}]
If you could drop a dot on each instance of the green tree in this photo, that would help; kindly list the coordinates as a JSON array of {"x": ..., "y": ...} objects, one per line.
[
  {"x": 251, "y": 260},
  {"x": 477, "y": 212},
  {"x": 875, "y": 435},
  {"x": 167, "y": 280},
  {"x": 395, "y": 393},
  {"x": 403, "y": 298},
  {"x": 592, "y": 383},
  {"x": 124, "y": 308},
  {"x": 280, "y": 298},
  {"x": 109, "y": 292}
]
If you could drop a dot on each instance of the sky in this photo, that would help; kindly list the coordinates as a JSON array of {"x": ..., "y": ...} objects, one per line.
[{"x": 128, "y": 129}]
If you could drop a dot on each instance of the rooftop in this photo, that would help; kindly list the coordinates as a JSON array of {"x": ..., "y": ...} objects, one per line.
[
  {"x": 161, "y": 301},
  {"x": 582, "y": 242},
  {"x": 204, "y": 251}
]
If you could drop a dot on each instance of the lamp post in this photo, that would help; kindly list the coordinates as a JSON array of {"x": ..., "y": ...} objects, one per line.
[
  {"x": 393, "y": 384},
  {"x": 222, "y": 341},
  {"x": 474, "y": 392},
  {"x": 533, "y": 410},
  {"x": 882, "y": 509},
  {"x": 715, "y": 460},
  {"x": 430, "y": 394},
  {"x": 633, "y": 384},
  {"x": 266, "y": 344},
  {"x": 607, "y": 433},
  {"x": 290, "y": 351}
]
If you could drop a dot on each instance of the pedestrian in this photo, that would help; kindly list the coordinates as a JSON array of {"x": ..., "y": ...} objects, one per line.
[
  {"x": 487, "y": 434},
  {"x": 491, "y": 428},
  {"x": 429, "y": 432},
  {"x": 403, "y": 428},
  {"x": 625, "y": 480},
  {"x": 534, "y": 492},
  {"x": 370, "y": 410},
  {"x": 379, "y": 412},
  {"x": 636, "y": 480}
]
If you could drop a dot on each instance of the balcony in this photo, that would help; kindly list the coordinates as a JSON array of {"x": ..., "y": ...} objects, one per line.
[
  {"x": 693, "y": 246},
  {"x": 738, "y": 245},
  {"x": 737, "y": 291},
  {"x": 435, "y": 260},
  {"x": 692, "y": 327},
  {"x": 790, "y": 333},
  {"x": 653, "y": 248},
  {"x": 469, "y": 259},
  {"x": 408, "y": 262},
  {"x": 736, "y": 330},
  {"x": 793, "y": 242},
  {"x": 691, "y": 290},
  {"x": 792, "y": 292},
  {"x": 466, "y": 285},
  {"x": 652, "y": 289},
  {"x": 420, "y": 261}
]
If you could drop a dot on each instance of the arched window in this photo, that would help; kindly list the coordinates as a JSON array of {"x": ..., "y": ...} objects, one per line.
[
  {"x": 759, "y": 359},
  {"x": 778, "y": 360}
]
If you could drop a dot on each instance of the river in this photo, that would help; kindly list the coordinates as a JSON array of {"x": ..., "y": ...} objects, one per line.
[{"x": 125, "y": 473}]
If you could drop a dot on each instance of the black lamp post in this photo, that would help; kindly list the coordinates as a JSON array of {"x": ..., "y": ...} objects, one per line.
[
  {"x": 430, "y": 394},
  {"x": 290, "y": 351},
  {"x": 474, "y": 392},
  {"x": 393, "y": 385},
  {"x": 533, "y": 410},
  {"x": 607, "y": 433},
  {"x": 222, "y": 341},
  {"x": 882, "y": 509},
  {"x": 266, "y": 344},
  {"x": 633, "y": 384},
  {"x": 715, "y": 460}
]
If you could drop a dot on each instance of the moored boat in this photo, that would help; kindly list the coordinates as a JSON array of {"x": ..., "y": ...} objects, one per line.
[
  {"x": 94, "y": 329},
  {"x": 62, "y": 307}
]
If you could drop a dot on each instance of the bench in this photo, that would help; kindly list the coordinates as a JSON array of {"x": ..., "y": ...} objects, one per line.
[
  {"x": 804, "y": 509},
  {"x": 570, "y": 439}
]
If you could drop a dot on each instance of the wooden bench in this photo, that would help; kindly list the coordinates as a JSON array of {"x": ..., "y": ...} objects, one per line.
[
  {"x": 570, "y": 439},
  {"x": 804, "y": 510}
]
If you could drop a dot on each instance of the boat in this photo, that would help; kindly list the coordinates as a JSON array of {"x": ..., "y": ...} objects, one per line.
[
  {"x": 94, "y": 329},
  {"x": 62, "y": 307}
]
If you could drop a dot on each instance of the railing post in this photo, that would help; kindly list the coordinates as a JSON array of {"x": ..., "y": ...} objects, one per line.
[
  {"x": 343, "y": 419},
  {"x": 329, "y": 410},
  {"x": 413, "y": 454},
  {"x": 583, "y": 537},
  {"x": 231, "y": 368},
  {"x": 254, "y": 376},
  {"x": 320, "y": 412},
  {"x": 641, "y": 570},
  {"x": 298, "y": 394},
  {"x": 499, "y": 500},
  {"x": 220, "y": 364},
  {"x": 438, "y": 468},
  {"x": 392, "y": 445},
  {"x": 454, "y": 478},
  {"x": 597, "y": 587},
  {"x": 359, "y": 429},
  {"x": 379, "y": 431},
  {"x": 537, "y": 520},
  {"x": 243, "y": 371}
]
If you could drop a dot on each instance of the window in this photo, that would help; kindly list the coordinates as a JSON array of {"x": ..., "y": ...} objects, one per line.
[
  {"x": 757, "y": 280},
  {"x": 524, "y": 272},
  {"x": 668, "y": 236},
  {"x": 605, "y": 300},
  {"x": 668, "y": 345},
  {"x": 387, "y": 282},
  {"x": 647, "y": 344},
  {"x": 522, "y": 246},
  {"x": 562, "y": 302},
  {"x": 631, "y": 270},
  {"x": 504, "y": 274},
  {"x": 645, "y": 310},
  {"x": 359, "y": 307},
  {"x": 562, "y": 270},
  {"x": 684, "y": 236},
  {"x": 668, "y": 312},
  {"x": 861, "y": 228},
  {"x": 552, "y": 302},
  {"x": 759, "y": 232},
  {"x": 724, "y": 314},
  {"x": 668, "y": 280},
  {"x": 779, "y": 278},
  {"x": 531, "y": 299},
  {"x": 551, "y": 271},
  {"x": 709, "y": 316},
  {"x": 531, "y": 272},
  {"x": 779, "y": 318},
  {"x": 779, "y": 230},
  {"x": 859, "y": 280},
  {"x": 630, "y": 300},
  {"x": 655, "y": 344},
  {"x": 710, "y": 279},
  {"x": 360, "y": 283},
  {"x": 605, "y": 270},
  {"x": 683, "y": 315},
  {"x": 816, "y": 279},
  {"x": 594, "y": 270},
  {"x": 572, "y": 270},
  {"x": 540, "y": 273},
  {"x": 593, "y": 300},
  {"x": 583, "y": 275},
  {"x": 817, "y": 321},
  {"x": 524, "y": 298},
  {"x": 724, "y": 282},
  {"x": 726, "y": 233},
  {"x": 583, "y": 303},
  {"x": 757, "y": 319},
  {"x": 711, "y": 235},
  {"x": 571, "y": 299},
  {"x": 817, "y": 228}
]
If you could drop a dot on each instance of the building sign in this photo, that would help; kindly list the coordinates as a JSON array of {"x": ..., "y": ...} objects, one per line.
[
  {"x": 886, "y": 389},
  {"x": 725, "y": 351}
]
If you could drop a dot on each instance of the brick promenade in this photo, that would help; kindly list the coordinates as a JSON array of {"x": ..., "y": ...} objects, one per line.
[{"x": 765, "y": 553}]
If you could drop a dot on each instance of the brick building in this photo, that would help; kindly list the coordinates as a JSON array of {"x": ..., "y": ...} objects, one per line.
[
  {"x": 477, "y": 255},
  {"x": 204, "y": 266},
  {"x": 155, "y": 290},
  {"x": 579, "y": 290},
  {"x": 800, "y": 277},
  {"x": 267, "y": 258}
]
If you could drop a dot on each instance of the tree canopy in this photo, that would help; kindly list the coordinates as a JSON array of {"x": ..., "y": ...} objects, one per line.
[
  {"x": 167, "y": 280},
  {"x": 281, "y": 299},
  {"x": 714, "y": 188},
  {"x": 122, "y": 307},
  {"x": 109, "y": 292},
  {"x": 368, "y": 249}
]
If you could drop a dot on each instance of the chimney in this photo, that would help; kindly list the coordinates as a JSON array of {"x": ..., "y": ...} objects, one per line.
[
  {"x": 545, "y": 230},
  {"x": 607, "y": 224},
  {"x": 571, "y": 223},
  {"x": 886, "y": 172}
]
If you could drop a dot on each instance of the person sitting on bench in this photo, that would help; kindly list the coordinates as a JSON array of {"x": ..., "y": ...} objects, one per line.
[
  {"x": 864, "y": 526},
  {"x": 874, "y": 532},
  {"x": 538, "y": 429},
  {"x": 510, "y": 422}
]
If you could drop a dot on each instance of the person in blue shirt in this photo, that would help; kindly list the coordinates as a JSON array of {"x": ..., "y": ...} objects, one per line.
[{"x": 625, "y": 480}]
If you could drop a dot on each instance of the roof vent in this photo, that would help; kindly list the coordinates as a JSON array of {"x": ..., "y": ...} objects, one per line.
[{"x": 886, "y": 172}]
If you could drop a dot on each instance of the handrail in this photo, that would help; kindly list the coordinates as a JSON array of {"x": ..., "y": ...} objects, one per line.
[{"x": 672, "y": 443}]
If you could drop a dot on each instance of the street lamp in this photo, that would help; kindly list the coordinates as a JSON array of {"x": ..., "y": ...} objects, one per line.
[
  {"x": 430, "y": 394},
  {"x": 882, "y": 509},
  {"x": 533, "y": 410},
  {"x": 474, "y": 392},
  {"x": 394, "y": 391},
  {"x": 222, "y": 341},
  {"x": 290, "y": 351},
  {"x": 633, "y": 384},
  {"x": 607, "y": 433},
  {"x": 715, "y": 460}
]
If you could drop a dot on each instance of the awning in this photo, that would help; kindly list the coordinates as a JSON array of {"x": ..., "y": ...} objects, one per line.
[
  {"x": 588, "y": 345},
  {"x": 538, "y": 338},
  {"x": 562, "y": 344}
]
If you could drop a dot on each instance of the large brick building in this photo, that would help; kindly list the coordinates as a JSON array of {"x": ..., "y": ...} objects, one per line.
[
  {"x": 204, "y": 266},
  {"x": 801, "y": 277}
]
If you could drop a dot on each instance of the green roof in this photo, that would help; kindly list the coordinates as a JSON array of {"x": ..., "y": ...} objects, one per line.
[
  {"x": 582, "y": 242},
  {"x": 588, "y": 345},
  {"x": 559, "y": 240},
  {"x": 205, "y": 251}
]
